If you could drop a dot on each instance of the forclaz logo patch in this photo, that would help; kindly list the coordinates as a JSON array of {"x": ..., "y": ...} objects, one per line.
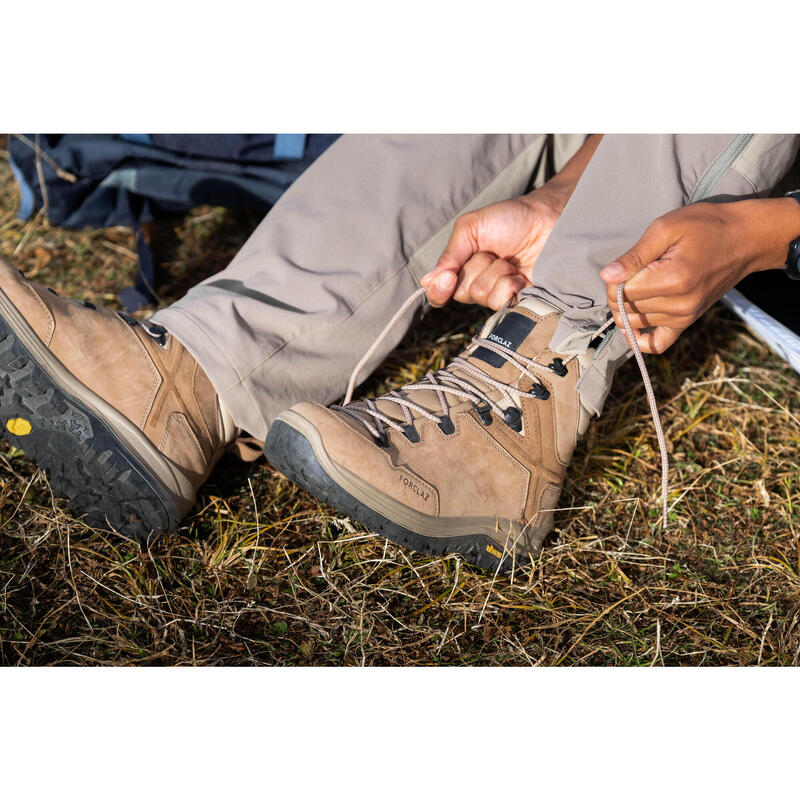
[
  {"x": 415, "y": 487},
  {"x": 500, "y": 340}
]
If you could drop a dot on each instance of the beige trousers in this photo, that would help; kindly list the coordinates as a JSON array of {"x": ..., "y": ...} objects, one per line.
[
  {"x": 314, "y": 285},
  {"x": 310, "y": 290}
]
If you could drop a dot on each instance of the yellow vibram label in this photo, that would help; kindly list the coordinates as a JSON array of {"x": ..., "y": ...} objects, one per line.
[
  {"x": 493, "y": 551},
  {"x": 19, "y": 426}
]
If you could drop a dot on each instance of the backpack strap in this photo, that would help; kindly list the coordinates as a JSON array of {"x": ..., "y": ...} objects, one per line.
[{"x": 141, "y": 293}]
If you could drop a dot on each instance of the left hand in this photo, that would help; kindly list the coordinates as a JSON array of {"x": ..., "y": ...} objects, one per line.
[
  {"x": 690, "y": 257},
  {"x": 492, "y": 251}
]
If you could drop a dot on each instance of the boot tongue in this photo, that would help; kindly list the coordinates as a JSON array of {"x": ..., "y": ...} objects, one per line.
[
  {"x": 518, "y": 330},
  {"x": 526, "y": 329}
]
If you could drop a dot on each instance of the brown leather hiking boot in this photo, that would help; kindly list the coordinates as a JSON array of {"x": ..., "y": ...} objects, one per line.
[
  {"x": 118, "y": 414},
  {"x": 469, "y": 460}
]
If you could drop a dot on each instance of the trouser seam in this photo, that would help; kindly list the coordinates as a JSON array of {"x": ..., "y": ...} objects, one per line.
[{"x": 710, "y": 164}]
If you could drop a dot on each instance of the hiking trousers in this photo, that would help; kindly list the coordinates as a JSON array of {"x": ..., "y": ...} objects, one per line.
[{"x": 320, "y": 277}]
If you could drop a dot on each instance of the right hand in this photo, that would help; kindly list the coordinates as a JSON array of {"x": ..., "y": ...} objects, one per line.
[{"x": 492, "y": 251}]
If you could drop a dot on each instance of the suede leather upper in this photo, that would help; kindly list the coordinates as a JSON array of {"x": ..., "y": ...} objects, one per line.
[
  {"x": 161, "y": 389},
  {"x": 477, "y": 470}
]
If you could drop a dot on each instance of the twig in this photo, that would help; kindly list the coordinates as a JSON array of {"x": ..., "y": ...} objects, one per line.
[{"x": 59, "y": 170}]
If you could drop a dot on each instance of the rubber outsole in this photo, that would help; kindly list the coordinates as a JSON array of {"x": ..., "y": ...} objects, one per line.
[
  {"x": 291, "y": 453},
  {"x": 82, "y": 458}
]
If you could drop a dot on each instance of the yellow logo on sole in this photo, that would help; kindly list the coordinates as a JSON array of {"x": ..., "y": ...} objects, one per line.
[
  {"x": 493, "y": 551},
  {"x": 19, "y": 426}
]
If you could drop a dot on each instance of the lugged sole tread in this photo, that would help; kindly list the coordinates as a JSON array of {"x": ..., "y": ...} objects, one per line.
[{"x": 83, "y": 460}]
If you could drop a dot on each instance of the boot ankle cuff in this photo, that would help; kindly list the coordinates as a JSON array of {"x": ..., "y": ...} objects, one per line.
[{"x": 597, "y": 370}]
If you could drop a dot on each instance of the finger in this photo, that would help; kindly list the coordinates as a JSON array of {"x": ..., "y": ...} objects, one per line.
[
  {"x": 638, "y": 321},
  {"x": 657, "y": 340},
  {"x": 461, "y": 246},
  {"x": 662, "y": 284},
  {"x": 621, "y": 326},
  {"x": 680, "y": 305},
  {"x": 471, "y": 272},
  {"x": 477, "y": 283},
  {"x": 656, "y": 240},
  {"x": 505, "y": 289},
  {"x": 441, "y": 289},
  {"x": 669, "y": 311}
]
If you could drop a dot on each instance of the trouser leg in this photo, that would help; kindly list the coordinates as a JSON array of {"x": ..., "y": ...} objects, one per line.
[
  {"x": 629, "y": 182},
  {"x": 306, "y": 295}
]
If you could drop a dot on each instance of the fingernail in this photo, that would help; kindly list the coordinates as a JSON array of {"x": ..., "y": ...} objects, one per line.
[
  {"x": 612, "y": 272},
  {"x": 447, "y": 280}
]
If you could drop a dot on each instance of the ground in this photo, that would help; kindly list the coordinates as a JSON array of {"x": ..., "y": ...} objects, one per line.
[{"x": 261, "y": 573}]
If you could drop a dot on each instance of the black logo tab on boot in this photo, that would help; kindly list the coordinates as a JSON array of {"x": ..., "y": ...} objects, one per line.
[{"x": 511, "y": 333}]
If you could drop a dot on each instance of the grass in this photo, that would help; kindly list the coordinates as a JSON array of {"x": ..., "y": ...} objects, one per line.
[{"x": 260, "y": 573}]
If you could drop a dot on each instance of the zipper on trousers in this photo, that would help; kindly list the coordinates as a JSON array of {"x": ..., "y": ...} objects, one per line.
[{"x": 724, "y": 162}]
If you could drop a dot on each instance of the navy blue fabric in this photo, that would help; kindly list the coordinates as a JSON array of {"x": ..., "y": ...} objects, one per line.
[{"x": 132, "y": 179}]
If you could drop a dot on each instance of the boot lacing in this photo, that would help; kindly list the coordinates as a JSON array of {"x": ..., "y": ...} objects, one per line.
[{"x": 460, "y": 387}]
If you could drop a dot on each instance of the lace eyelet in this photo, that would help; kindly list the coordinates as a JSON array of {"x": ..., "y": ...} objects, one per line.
[
  {"x": 540, "y": 391},
  {"x": 157, "y": 332},
  {"x": 557, "y": 365},
  {"x": 484, "y": 413},
  {"x": 513, "y": 418},
  {"x": 410, "y": 432},
  {"x": 446, "y": 424},
  {"x": 381, "y": 440}
]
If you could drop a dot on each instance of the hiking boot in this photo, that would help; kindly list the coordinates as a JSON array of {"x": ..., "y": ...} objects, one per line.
[
  {"x": 470, "y": 460},
  {"x": 118, "y": 414}
]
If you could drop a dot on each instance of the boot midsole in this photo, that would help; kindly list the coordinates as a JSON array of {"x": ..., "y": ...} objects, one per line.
[{"x": 504, "y": 531}]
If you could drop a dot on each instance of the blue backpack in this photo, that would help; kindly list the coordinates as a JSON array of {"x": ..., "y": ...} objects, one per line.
[{"x": 101, "y": 180}]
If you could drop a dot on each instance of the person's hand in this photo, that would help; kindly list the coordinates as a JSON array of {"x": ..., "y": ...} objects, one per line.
[
  {"x": 690, "y": 257},
  {"x": 492, "y": 251}
]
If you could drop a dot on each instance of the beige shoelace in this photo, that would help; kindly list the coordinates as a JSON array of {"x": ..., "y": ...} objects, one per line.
[
  {"x": 444, "y": 382},
  {"x": 651, "y": 399}
]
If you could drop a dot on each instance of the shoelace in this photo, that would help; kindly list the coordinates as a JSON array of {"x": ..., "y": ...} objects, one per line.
[
  {"x": 651, "y": 399},
  {"x": 152, "y": 329},
  {"x": 445, "y": 382}
]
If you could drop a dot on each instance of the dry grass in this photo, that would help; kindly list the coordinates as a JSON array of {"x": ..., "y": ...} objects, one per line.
[{"x": 262, "y": 574}]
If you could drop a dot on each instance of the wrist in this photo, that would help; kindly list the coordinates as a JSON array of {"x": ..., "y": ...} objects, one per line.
[
  {"x": 560, "y": 187},
  {"x": 769, "y": 226},
  {"x": 555, "y": 193}
]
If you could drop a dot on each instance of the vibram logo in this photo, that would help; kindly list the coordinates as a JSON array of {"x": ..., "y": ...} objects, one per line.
[
  {"x": 19, "y": 426},
  {"x": 493, "y": 551}
]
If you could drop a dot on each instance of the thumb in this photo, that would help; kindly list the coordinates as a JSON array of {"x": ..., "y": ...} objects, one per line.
[
  {"x": 462, "y": 245},
  {"x": 657, "y": 239}
]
